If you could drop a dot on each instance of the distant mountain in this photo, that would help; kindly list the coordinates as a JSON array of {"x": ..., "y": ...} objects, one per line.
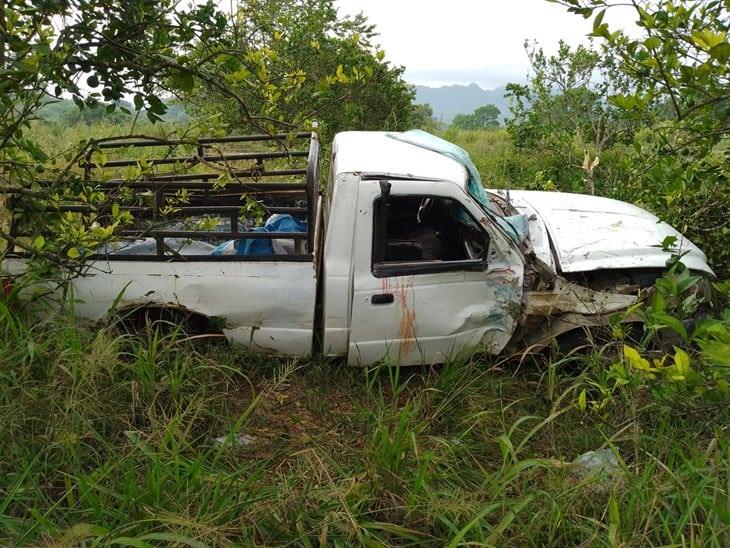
[{"x": 448, "y": 101}]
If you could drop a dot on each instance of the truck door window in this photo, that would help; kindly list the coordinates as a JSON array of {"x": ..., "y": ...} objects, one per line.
[{"x": 422, "y": 234}]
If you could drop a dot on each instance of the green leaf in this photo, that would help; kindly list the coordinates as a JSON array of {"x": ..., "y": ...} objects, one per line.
[
  {"x": 708, "y": 39},
  {"x": 601, "y": 31},
  {"x": 653, "y": 42},
  {"x": 681, "y": 369},
  {"x": 92, "y": 81},
  {"x": 341, "y": 76},
  {"x": 668, "y": 243},
  {"x": 634, "y": 358},
  {"x": 639, "y": 363},
  {"x": 598, "y": 19},
  {"x": 684, "y": 284},
  {"x": 156, "y": 104},
  {"x": 721, "y": 52},
  {"x": 624, "y": 102},
  {"x": 183, "y": 80},
  {"x": 672, "y": 323},
  {"x": 73, "y": 253},
  {"x": 717, "y": 352},
  {"x": 39, "y": 242}
]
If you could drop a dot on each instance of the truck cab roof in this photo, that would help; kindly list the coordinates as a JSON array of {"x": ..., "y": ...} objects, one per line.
[{"x": 375, "y": 153}]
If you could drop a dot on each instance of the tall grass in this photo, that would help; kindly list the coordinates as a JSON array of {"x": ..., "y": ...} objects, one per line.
[
  {"x": 504, "y": 165},
  {"x": 110, "y": 439}
]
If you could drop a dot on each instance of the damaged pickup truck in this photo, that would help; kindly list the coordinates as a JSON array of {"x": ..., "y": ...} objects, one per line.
[{"x": 404, "y": 256}]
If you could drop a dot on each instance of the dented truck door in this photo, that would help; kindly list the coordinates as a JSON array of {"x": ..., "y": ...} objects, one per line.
[{"x": 433, "y": 279}]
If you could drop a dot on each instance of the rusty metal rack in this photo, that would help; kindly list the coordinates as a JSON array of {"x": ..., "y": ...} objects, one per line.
[{"x": 290, "y": 188}]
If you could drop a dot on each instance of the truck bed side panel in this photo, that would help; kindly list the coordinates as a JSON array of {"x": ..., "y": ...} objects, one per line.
[{"x": 267, "y": 306}]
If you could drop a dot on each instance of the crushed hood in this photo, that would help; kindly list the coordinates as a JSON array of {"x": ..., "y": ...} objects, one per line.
[{"x": 592, "y": 233}]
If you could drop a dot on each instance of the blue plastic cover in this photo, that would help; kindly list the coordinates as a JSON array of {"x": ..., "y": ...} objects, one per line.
[
  {"x": 516, "y": 225},
  {"x": 248, "y": 246}
]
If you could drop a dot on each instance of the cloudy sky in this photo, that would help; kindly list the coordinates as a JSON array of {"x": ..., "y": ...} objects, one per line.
[{"x": 464, "y": 41}]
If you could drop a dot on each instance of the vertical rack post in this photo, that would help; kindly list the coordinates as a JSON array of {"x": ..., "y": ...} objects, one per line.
[
  {"x": 312, "y": 182},
  {"x": 156, "y": 207},
  {"x": 87, "y": 165}
]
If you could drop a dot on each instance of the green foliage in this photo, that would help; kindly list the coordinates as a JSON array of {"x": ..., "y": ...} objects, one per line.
[
  {"x": 422, "y": 117},
  {"x": 97, "y": 52},
  {"x": 484, "y": 117},
  {"x": 564, "y": 116},
  {"x": 65, "y": 112},
  {"x": 500, "y": 163},
  {"x": 677, "y": 69},
  {"x": 269, "y": 67},
  {"x": 309, "y": 65},
  {"x": 677, "y": 357}
]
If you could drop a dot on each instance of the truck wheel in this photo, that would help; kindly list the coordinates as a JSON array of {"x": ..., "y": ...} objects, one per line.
[{"x": 165, "y": 320}]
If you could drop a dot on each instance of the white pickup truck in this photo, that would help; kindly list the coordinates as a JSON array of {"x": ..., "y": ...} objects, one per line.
[{"x": 400, "y": 259}]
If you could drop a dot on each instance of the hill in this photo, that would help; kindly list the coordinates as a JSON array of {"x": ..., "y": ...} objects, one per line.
[{"x": 448, "y": 101}]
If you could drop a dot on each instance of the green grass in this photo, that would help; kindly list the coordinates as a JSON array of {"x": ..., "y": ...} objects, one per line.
[
  {"x": 61, "y": 142},
  {"x": 110, "y": 439},
  {"x": 494, "y": 155}
]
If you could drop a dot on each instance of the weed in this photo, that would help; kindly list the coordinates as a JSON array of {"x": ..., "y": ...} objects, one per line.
[{"x": 111, "y": 439}]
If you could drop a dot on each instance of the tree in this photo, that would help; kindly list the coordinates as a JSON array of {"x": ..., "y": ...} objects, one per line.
[
  {"x": 484, "y": 117},
  {"x": 99, "y": 52},
  {"x": 679, "y": 72},
  {"x": 96, "y": 52},
  {"x": 565, "y": 110},
  {"x": 335, "y": 74},
  {"x": 422, "y": 117}
]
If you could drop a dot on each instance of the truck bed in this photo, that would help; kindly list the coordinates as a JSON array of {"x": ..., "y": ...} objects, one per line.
[{"x": 194, "y": 243}]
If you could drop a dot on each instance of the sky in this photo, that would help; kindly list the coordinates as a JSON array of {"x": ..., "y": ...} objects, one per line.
[{"x": 465, "y": 41}]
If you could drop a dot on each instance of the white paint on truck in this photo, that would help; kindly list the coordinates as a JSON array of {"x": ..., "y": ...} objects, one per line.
[
  {"x": 433, "y": 315},
  {"x": 594, "y": 233},
  {"x": 267, "y": 306}
]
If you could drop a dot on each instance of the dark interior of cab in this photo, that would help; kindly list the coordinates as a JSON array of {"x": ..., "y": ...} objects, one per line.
[{"x": 425, "y": 228}]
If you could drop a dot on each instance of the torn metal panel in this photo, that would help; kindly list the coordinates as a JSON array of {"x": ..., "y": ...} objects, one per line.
[
  {"x": 594, "y": 233},
  {"x": 567, "y": 307},
  {"x": 569, "y": 297},
  {"x": 535, "y": 333}
]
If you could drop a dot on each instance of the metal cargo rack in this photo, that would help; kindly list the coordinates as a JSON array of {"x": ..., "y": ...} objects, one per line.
[{"x": 293, "y": 189}]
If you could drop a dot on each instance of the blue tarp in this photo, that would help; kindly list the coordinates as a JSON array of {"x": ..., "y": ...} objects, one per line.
[
  {"x": 247, "y": 246},
  {"x": 515, "y": 226}
]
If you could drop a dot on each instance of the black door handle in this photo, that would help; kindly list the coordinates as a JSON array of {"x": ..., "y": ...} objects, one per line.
[{"x": 383, "y": 298}]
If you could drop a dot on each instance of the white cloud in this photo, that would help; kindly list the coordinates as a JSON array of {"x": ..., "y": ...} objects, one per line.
[{"x": 463, "y": 41}]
